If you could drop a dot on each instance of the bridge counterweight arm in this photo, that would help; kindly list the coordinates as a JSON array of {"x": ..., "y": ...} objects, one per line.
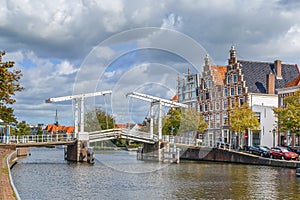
[
  {"x": 150, "y": 98},
  {"x": 78, "y": 96}
]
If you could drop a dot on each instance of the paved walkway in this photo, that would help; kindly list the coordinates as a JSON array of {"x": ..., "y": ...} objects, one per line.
[{"x": 6, "y": 191}]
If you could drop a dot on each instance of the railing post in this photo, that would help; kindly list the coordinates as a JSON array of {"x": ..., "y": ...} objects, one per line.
[
  {"x": 160, "y": 121},
  {"x": 151, "y": 120}
]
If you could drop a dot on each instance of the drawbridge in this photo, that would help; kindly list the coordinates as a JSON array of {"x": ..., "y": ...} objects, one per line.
[
  {"x": 134, "y": 135},
  {"x": 78, "y": 148}
]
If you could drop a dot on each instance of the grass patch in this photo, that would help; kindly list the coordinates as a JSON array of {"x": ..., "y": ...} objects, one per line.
[{"x": 4, "y": 170}]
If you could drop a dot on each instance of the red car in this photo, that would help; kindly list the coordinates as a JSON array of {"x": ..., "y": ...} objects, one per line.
[{"x": 283, "y": 153}]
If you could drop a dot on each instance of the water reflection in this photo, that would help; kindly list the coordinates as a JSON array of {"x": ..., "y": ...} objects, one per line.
[{"x": 118, "y": 175}]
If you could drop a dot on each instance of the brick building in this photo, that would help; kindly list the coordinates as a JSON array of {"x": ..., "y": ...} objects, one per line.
[{"x": 255, "y": 83}]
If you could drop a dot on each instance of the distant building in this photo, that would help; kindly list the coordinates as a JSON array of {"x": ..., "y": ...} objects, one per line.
[
  {"x": 187, "y": 89},
  {"x": 53, "y": 129}
]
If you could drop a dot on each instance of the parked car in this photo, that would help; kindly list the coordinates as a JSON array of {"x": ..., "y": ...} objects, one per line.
[
  {"x": 283, "y": 153},
  {"x": 259, "y": 150},
  {"x": 295, "y": 149}
]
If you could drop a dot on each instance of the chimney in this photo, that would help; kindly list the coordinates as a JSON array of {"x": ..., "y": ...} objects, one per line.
[
  {"x": 277, "y": 66},
  {"x": 270, "y": 83}
]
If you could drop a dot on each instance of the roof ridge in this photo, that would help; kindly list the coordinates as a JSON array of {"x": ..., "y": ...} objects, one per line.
[{"x": 264, "y": 62}]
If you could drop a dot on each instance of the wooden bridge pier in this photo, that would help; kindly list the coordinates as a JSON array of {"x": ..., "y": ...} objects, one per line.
[{"x": 81, "y": 150}]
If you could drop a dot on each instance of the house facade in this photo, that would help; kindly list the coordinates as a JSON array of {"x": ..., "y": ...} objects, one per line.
[
  {"x": 287, "y": 138},
  {"x": 255, "y": 83},
  {"x": 187, "y": 87}
]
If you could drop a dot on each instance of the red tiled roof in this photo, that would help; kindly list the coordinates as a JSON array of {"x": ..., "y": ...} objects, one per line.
[
  {"x": 70, "y": 129},
  {"x": 294, "y": 82},
  {"x": 175, "y": 98},
  {"x": 219, "y": 74},
  {"x": 52, "y": 128},
  {"x": 126, "y": 125}
]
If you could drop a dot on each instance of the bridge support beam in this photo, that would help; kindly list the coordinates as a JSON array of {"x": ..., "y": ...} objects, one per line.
[
  {"x": 160, "y": 152},
  {"x": 80, "y": 151}
]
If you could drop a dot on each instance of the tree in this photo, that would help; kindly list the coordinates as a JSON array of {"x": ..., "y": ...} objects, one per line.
[
  {"x": 192, "y": 120},
  {"x": 183, "y": 121},
  {"x": 242, "y": 118},
  {"x": 171, "y": 122},
  {"x": 22, "y": 128},
  {"x": 288, "y": 116},
  {"x": 98, "y": 120},
  {"x": 39, "y": 131},
  {"x": 9, "y": 84}
]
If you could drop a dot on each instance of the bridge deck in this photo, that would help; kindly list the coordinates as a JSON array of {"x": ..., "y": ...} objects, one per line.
[{"x": 44, "y": 144}]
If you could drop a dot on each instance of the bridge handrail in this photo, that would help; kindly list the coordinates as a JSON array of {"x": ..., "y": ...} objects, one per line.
[
  {"x": 122, "y": 133},
  {"x": 35, "y": 138},
  {"x": 180, "y": 140},
  {"x": 105, "y": 131}
]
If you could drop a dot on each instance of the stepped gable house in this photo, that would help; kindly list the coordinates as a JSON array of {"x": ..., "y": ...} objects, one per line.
[{"x": 255, "y": 83}]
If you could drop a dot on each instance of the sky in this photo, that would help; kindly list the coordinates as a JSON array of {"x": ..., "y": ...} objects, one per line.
[{"x": 72, "y": 47}]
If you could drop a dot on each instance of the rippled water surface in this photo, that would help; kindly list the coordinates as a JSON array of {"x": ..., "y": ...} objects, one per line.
[{"x": 118, "y": 175}]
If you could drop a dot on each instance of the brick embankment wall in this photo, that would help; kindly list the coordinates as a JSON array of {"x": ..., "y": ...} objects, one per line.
[
  {"x": 6, "y": 191},
  {"x": 220, "y": 155}
]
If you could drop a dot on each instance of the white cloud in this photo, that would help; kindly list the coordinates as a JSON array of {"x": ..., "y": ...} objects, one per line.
[
  {"x": 43, "y": 80},
  {"x": 109, "y": 74},
  {"x": 16, "y": 56},
  {"x": 104, "y": 52},
  {"x": 172, "y": 21},
  {"x": 49, "y": 42},
  {"x": 65, "y": 68}
]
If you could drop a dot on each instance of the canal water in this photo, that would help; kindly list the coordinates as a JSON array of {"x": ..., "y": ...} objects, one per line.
[{"x": 118, "y": 175}]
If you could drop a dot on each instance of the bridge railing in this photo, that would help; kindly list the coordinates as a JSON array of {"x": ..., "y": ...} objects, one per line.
[
  {"x": 180, "y": 140},
  {"x": 35, "y": 138}
]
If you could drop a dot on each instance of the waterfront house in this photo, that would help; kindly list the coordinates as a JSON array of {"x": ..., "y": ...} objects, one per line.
[
  {"x": 287, "y": 138},
  {"x": 255, "y": 83}
]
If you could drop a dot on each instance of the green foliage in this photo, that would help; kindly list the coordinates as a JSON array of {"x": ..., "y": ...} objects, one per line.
[
  {"x": 9, "y": 84},
  {"x": 184, "y": 121},
  {"x": 242, "y": 118},
  {"x": 119, "y": 142},
  {"x": 192, "y": 120},
  {"x": 22, "y": 128},
  {"x": 171, "y": 122},
  {"x": 39, "y": 131},
  {"x": 98, "y": 120},
  {"x": 288, "y": 116}
]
